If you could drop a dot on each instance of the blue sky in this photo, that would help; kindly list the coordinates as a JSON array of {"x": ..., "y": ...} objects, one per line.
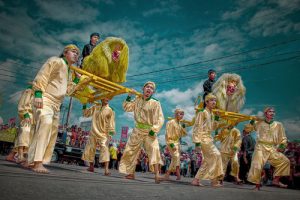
[{"x": 173, "y": 43}]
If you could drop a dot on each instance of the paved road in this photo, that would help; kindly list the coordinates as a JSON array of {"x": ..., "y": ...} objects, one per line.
[{"x": 73, "y": 182}]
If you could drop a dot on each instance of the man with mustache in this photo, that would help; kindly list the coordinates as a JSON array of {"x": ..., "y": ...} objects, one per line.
[
  {"x": 26, "y": 126},
  {"x": 174, "y": 131},
  {"x": 50, "y": 86},
  {"x": 149, "y": 119},
  {"x": 271, "y": 142},
  {"x": 211, "y": 167},
  {"x": 230, "y": 139},
  {"x": 103, "y": 128}
]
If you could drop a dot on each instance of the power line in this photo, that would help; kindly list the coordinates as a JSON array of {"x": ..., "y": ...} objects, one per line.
[
  {"x": 220, "y": 58},
  {"x": 186, "y": 77},
  {"x": 237, "y": 69},
  {"x": 220, "y": 20},
  {"x": 21, "y": 73},
  {"x": 18, "y": 64},
  {"x": 224, "y": 65}
]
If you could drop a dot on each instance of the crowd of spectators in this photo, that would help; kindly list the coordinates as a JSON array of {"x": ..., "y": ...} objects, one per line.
[
  {"x": 73, "y": 136},
  {"x": 6, "y": 146}
]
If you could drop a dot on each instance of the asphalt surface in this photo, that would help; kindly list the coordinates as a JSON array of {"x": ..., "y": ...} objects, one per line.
[{"x": 74, "y": 182}]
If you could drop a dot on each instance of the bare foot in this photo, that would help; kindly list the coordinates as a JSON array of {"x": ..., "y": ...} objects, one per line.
[
  {"x": 158, "y": 179},
  {"x": 27, "y": 165},
  {"x": 216, "y": 184},
  {"x": 39, "y": 168},
  {"x": 130, "y": 176},
  {"x": 178, "y": 178},
  {"x": 107, "y": 174},
  {"x": 257, "y": 187},
  {"x": 196, "y": 182},
  {"x": 20, "y": 159},
  {"x": 238, "y": 181},
  {"x": 167, "y": 177},
  {"x": 279, "y": 184},
  {"x": 11, "y": 157},
  {"x": 90, "y": 169}
]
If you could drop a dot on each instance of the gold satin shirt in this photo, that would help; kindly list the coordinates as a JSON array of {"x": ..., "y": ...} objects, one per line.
[{"x": 147, "y": 112}]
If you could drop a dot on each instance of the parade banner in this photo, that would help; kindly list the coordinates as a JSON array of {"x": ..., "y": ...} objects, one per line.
[{"x": 124, "y": 136}]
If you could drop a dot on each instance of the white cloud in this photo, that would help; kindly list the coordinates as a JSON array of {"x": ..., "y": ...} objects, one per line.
[
  {"x": 167, "y": 7},
  {"x": 260, "y": 114},
  {"x": 161, "y": 139},
  {"x": 247, "y": 111},
  {"x": 14, "y": 98},
  {"x": 38, "y": 44},
  {"x": 269, "y": 19},
  {"x": 287, "y": 4},
  {"x": 211, "y": 49},
  {"x": 84, "y": 119},
  {"x": 126, "y": 116},
  {"x": 109, "y": 2},
  {"x": 68, "y": 12},
  {"x": 233, "y": 14},
  {"x": 292, "y": 128},
  {"x": 8, "y": 72},
  {"x": 292, "y": 125},
  {"x": 241, "y": 7},
  {"x": 202, "y": 44},
  {"x": 177, "y": 97},
  {"x": 27, "y": 38}
]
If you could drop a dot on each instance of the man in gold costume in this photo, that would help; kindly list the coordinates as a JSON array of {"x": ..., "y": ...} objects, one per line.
[
  {"x": 149, "y": 119},
  {"x": 211, "y": 168},
  {"x": 50, "y": 86},
  {"x": 271, "y": 142},
  {"x": 103, "y": 128},
  {"x": 26, "y": 126},
  {"x": 230, "y": 138},
  {"x": 174, "y": 131}
]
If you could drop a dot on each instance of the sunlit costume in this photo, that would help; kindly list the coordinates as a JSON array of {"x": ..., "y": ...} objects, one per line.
[
  {"x": 230, "y": 139},
  {"x": 270, "y": 138},
  {"x": 230, "y": 92},
  {"x": 109, "y": 60},
  {"x": 174, "y": 131},
  {"x": 149, "y": 120},
  {"x": 26, "y": 130},
  {"x": 211, "y": 168},
  {"x": 103, "y": 127},
  {"x": 51, "y": 84}
]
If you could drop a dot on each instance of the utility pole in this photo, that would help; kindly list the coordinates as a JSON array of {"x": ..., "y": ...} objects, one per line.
[
  {"x": 63, "y": 111},
  {"x": 69, "y": 111}
]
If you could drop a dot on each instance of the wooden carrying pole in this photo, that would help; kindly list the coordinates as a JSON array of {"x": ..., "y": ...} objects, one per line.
[{"x": 101, "y": 87}]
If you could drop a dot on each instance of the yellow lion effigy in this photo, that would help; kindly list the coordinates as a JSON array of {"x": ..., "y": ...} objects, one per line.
[
  {"x": 230, "y": 92},
  {"x": 109, "y": 60}
]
